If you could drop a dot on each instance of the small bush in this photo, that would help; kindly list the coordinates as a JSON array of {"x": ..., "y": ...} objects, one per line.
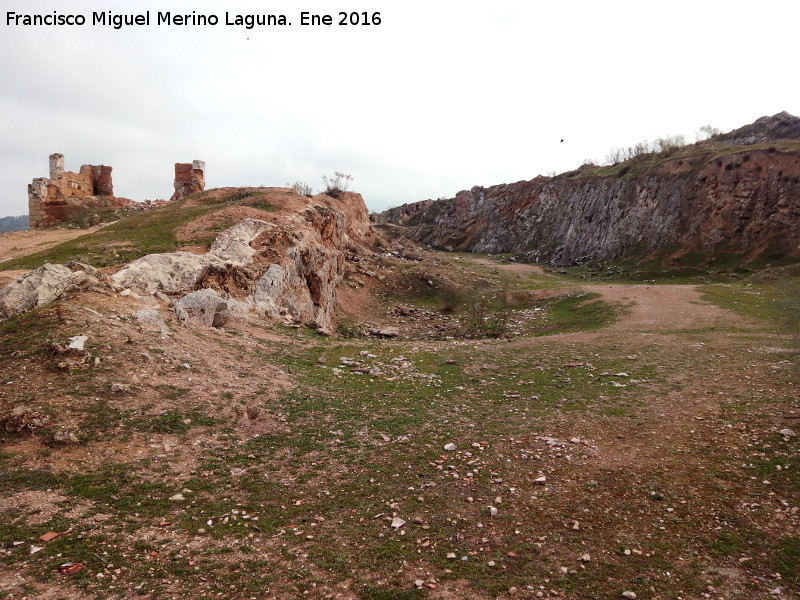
[
  {"x": 301, "y": 188},
  {"x": 450, "y": 299},
  {"x": 348, "y": 327},
  {"x": 84, "y": 217},
  {"x": 336, "y": 185},
  {"x": 489, "y": 316},
  {"x": 706, "y": 132}
]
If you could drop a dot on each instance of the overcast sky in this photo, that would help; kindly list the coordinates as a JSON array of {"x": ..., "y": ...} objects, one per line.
[{"x": 441, "y": 96}]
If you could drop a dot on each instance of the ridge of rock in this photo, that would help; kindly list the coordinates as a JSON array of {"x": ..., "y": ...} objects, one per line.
[
  {"x": 736, "y": 199},
  {"x": 287, "y": 267}
]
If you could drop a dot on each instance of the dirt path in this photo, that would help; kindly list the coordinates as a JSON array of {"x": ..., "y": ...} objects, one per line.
[
  {"x": 521, "y": 268},
  {"x": 664, "y": 307},
  {"x": 19, "y": 243}
]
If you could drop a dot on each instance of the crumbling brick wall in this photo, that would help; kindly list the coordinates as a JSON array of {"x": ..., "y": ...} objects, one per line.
[
  {"x": 190, "y": 178},
  {"x": 53, "y": 200}
]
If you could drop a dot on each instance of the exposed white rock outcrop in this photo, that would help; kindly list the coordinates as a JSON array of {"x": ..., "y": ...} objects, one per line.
[
  {"x": 45, "y": 284},
  {"x": 177, "y": 272},
  {"x": 205, "y": 307},
  {"x": 287, "y": 267}
]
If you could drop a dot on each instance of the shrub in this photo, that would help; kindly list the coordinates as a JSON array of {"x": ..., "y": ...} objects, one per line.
[
  {"x": 706, "y": 132},
  {"x": 301, "y": 188},
  {"x": 489, "y": 316},
  {"x": 667, "y": 145},
  {"x": 336, "y": 185},
  {"x": 450, "y": 299},
  {"x": 347, "y": 327},
  {"x": 84, "y": 217}
]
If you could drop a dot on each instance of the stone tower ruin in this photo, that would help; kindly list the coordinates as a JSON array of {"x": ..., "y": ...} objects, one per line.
[
  {"x": 52, "y": 200},
  {"x": 190, "y": 178}
]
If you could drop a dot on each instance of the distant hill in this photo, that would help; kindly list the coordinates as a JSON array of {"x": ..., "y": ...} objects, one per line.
[{"x": 19, "y": 223}]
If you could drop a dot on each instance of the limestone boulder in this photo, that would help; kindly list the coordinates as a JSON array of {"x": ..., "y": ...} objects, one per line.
[
  {"x": 234, "y": 244},
  {"x": 43, "y": 285},
  {"x": 177, "y": 272},
  {"x": 204, "y": 307},
  {"x": 170, "y": 273}
]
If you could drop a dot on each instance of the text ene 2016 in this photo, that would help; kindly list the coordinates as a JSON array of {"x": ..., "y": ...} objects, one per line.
[{"x": 344, "y": 18}]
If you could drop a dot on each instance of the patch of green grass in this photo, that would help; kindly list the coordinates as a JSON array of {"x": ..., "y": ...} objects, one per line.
[
  {"x": 171, "y": 392},
  {"x": 786, "y": 558},
  {"x": 575, "y": 312},
  {"x": 724, "y": 544},
  {"x": 27, "y": 331},
  {"x": 774, "y": 302},
  {"x": 174, "y": 421},
  {"x": 370, "y": 592}
]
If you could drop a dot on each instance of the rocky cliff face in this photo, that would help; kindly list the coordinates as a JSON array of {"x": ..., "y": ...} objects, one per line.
[{"x": 710, "y": 198}]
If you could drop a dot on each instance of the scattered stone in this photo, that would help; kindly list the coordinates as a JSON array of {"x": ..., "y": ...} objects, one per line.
[
  {"x": 450, "y": 447},
  {"x": 419, "y": 583},
  {"x": 492, "y": 511},
  {"x": 397, "y": 522},
  {"x": 787, "y": 433},
  {"x": 586, "y": 558},
  {"x": 151, "y": 318},
  {"x": 23, "y": 419},
  {"x": 450, "y": 555},
  {"x": 576, "y": 525},
  {"x": 70, "y": 568},
  {"x": 35, "y": 549},
  {"x": 205, "y": 307},
  {"x": 540, "y": 480},
  {"x": 119, "y": 388},
  {"x": 77, "y": 342},
  {"x": 177, "y": 498},
  {"x": 65, "y": 436},
  {"x": 49, "y": 536},
  {"x": 629, "y": 595},
  {"x": 386, "y": 332}
]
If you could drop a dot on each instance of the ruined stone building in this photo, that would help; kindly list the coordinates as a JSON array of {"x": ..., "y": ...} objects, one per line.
[
  {"x": 190, "y": 178},
  {"x": 80, "y": 198},
  {"x": 64, "y": 194}
]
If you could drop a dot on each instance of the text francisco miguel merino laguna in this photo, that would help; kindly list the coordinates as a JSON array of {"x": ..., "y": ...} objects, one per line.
[{"x": 117, "y": 21}]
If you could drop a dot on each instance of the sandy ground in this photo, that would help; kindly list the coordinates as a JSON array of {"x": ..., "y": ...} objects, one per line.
[
  {"x": 520, "y": 268},
  {"x": 664, "y": 307},
  {"x": 19, "y": 243},
  {"x": 14, "y": 244}
]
